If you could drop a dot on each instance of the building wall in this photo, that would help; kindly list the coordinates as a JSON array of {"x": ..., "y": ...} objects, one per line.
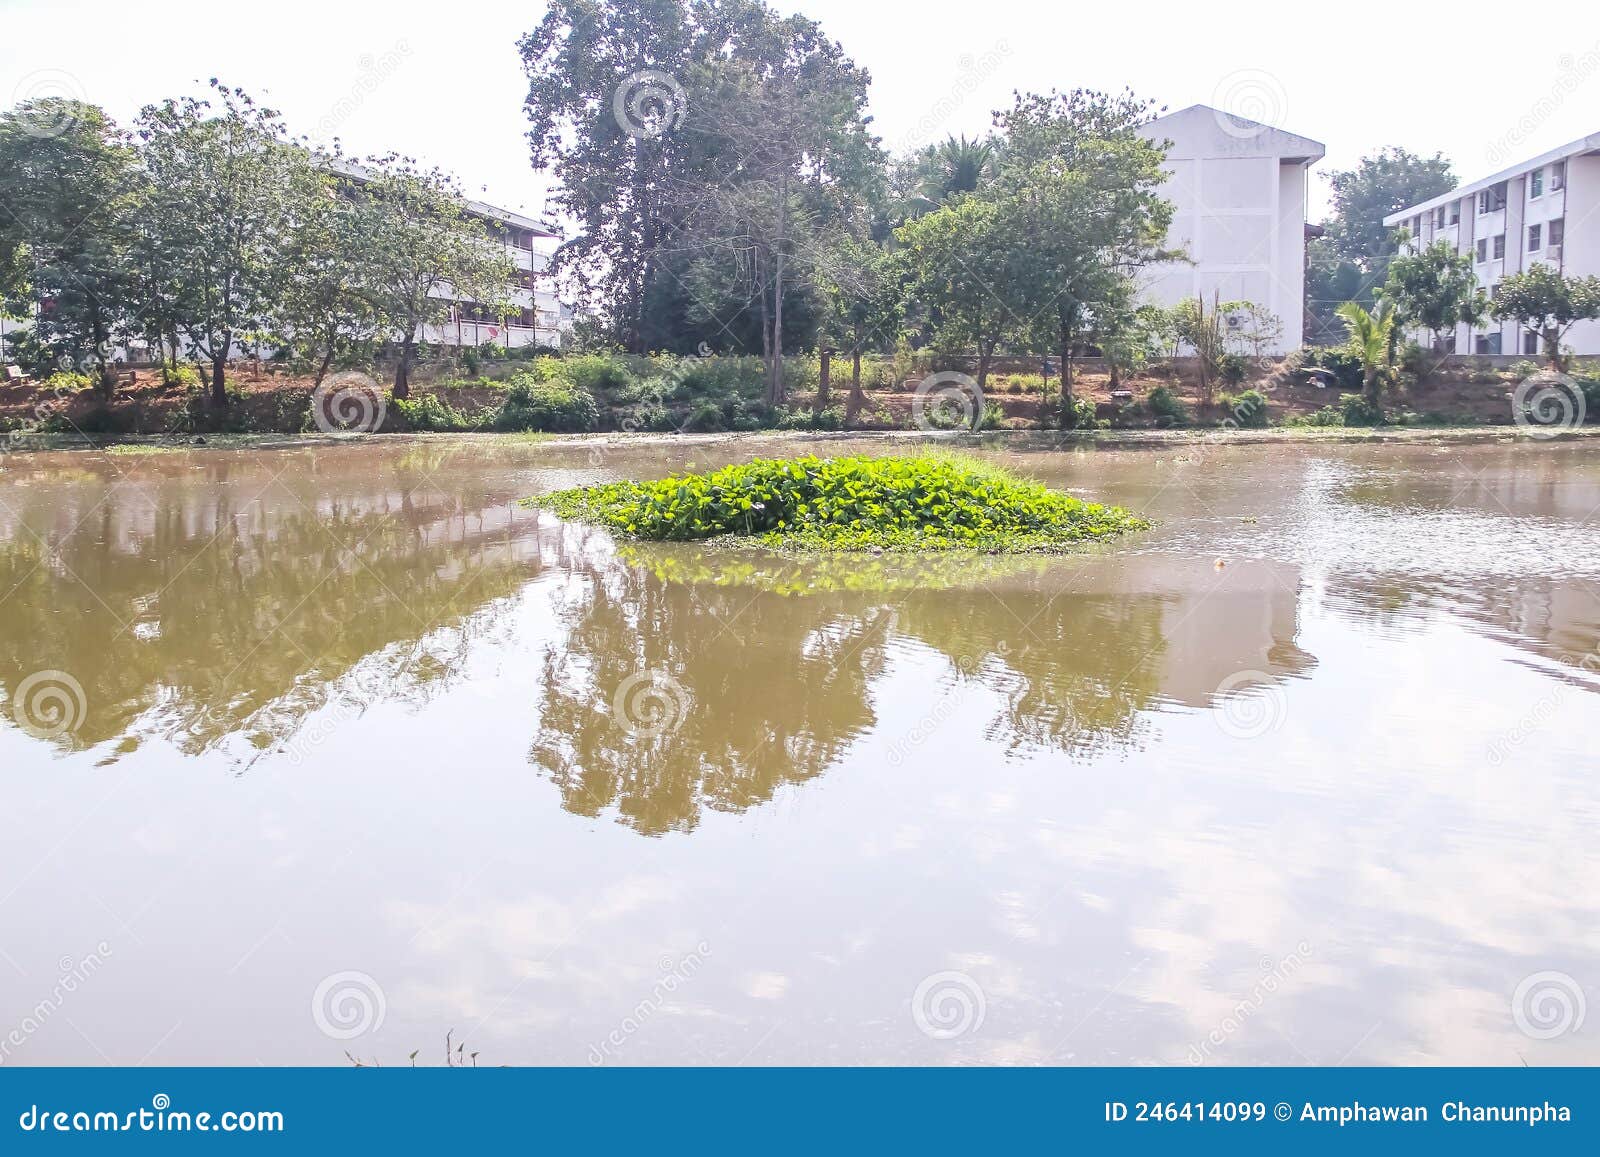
[
  {"x": 1578, "y": 254},
  {"x": 1239, "y": 197}
]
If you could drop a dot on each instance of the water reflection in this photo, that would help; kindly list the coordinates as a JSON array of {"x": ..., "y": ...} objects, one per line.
[{"x": 360, "y": 712}]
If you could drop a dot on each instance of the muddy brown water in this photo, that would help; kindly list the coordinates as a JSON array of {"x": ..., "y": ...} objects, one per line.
[{"x": 306, "y": 751}]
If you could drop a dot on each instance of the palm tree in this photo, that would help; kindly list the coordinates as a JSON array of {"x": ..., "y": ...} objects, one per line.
[
  {"x": 960, "y": 165},
  {"x": 1371, "y": 337}
]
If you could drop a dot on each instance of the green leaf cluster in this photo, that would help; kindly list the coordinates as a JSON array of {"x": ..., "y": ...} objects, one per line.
[{"x": 927, "y": 502}]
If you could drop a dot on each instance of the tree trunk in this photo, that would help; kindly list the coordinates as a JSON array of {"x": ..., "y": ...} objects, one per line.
[
  {"x": 777, "y": 291},
  {"x": 108, "y": 376},
  {"x": 1066, "y": 369},
  {"x": 402, "y": 371},
  {"x": 1369, "y": 388},
  {"x": 826, "y": 357},
  {"x": 219, "y": 373},
  {"x": 322, "y": 370},
  {"x": 985, "y": 356},
  {"x": 857, "y": 398}
]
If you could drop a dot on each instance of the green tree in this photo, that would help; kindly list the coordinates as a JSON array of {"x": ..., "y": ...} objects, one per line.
[
  {"x": 423, "y": 250},
  {"x": 69, "y": 196},
  {"x": 605, "y": 104},
  {"x": 1081, "y": 185},
  {"x": 324, "y": 301},
  {"x": 1351, "y": 259},
  {"x": 225, "y": 189},
  {"x": 1370, "y": 335},
  {"x": 1546, "y": 301},
  {"x": 1435, "y": 289},
  {"x": 863, "y": 286},
  {"x": 967, "y": 273}
]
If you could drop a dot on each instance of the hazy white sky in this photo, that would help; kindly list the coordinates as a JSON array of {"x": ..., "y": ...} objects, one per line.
[{"x": 443, "y": 82}]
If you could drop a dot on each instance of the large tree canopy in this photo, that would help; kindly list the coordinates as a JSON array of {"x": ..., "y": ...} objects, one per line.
[{"x": 1351, "y": 259}]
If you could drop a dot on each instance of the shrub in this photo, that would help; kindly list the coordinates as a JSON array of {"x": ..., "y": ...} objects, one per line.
[
  {"x": 1167, "y": 408},
  {"x": 431, "y": 412},
  {"x": 65, "y": 382},
  {"x": 591, "y": 373},
  {"x": 1327, "y": 416},
  {"x": 1232, "y": 368},
  {"x": 929, "y": 502},
  {"x": 706, "y": 418},
  {"x": 1345, "y": 366},
  {"x": 492, "y": 352},
  {"x": 1080, "y": 416},
  {"x": 1248, "y": 409},
  {"x": 555, "y": 406},
  {"x": 183, "y": 377},
  {"x": 1359, "y": 412},
  {"x": 471, "y": 362}
]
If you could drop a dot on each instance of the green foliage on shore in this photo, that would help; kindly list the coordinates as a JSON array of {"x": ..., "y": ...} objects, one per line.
[{"x": 926, "y": 502}]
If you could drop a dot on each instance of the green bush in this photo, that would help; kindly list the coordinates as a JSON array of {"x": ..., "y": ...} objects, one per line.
[
  {"x": 431, "y": 412},
  {"x": 706, "y": 418},
  {"x": 1359, "y": 412},
  {"x": 183, "y": 377},
  {"x": 65, "y": 382},
  {"x": 471, "y": 362},
  {"x": 1078, "y": 416},
  {"x": 929, "y": 502},
  {"x": 553, "y": 406},
  {"x": 1345, "y": 366},
  {"x": 1166, "y": 407},
  {"x": 1248, "y": 409},
  {"x": 591, "y": 373},
  {"x": 1232, "y": 368},
  {"x": 1327, "y": 416}
]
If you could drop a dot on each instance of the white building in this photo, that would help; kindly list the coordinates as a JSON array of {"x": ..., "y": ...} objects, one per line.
[
  {"x": 538, "y": 318},
  {"x": 1239, "y": 194},
  {"x": 1543, "y": 210}
]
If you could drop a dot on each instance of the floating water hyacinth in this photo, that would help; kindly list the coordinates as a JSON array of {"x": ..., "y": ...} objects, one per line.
[{"x": 919, "y": 503}]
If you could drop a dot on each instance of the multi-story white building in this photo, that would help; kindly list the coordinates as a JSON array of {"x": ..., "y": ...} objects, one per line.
[
  {"x": 1239, "y": 194},
  {"x": 1543, "y": 210},
  {"x": 538, "y": 317}
]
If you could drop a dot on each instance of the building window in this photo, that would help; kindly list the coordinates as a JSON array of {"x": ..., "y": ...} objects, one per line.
[
  {"x": 1492, "y": 199},
  {"x": 1558, "y": 176},
  {"x": 1536, "y": 183},
  {"x": 1438, "y": 217},
  {"x": 1535, "y": 238},
  {"x": 1483, "y": 250},
  {"x": 1487, "y": 343},
  {"x": 1558, "y": 229},
  {"x": 1494, "y": 292},
  {"x": 1499, "y": 246},
  {"x": 1530, "y": 342},
  {"x": 1455, "y": 212}
]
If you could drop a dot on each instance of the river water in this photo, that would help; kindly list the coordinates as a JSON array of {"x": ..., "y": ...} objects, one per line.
[{"x": 314, "y": 751}]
